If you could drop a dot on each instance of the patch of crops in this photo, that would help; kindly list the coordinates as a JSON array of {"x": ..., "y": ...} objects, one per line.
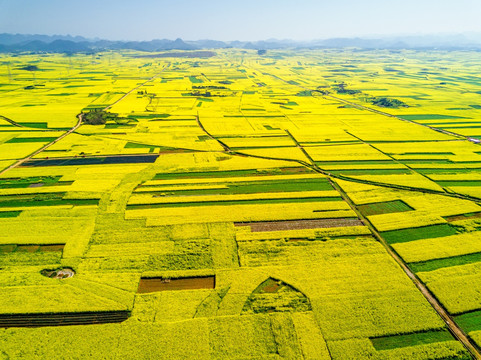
[
  {"x": 354, "y": 162},
  {"x": 8, "y": 183},
  {"x": 426, "y": 161},
  {"x": 99, "y": 160},
  {"x": 10, "y": 214},
  {"x": 229, "y": 173},
  {"x": 181, "y": 54},
  {"x": 459, "y": 183},
  {"x": 42, "y": 199},
  {"x": 435, "y": 264},
  {"x": 404, "y": 340},
  {"x": 62, "y": 319},
  {"x": 415, "y": 117},
  {"x": 10, "y": 248},
  {"x": 147, "y": 285},
  {"x": 300, "y": 224},
  {"x": 371, "y": 172},
  {"x": 261, "y": 187},
  {"x": 232, "y": 202},
  {"x": 30, "y": 139},
  {"x": 470, "y": 321},
  {"x": 38, "y": 125},
  {"x": 386, "y": 207},
  {"x": 424, "y": 232},
  {"x": 195, "y": 80},
  {"x": 467, "y": 216}
]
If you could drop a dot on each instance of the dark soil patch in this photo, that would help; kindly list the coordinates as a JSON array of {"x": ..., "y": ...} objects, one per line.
[
  {"x": 300, "y": 224},
  {"x": 463, "y": 217},
  {"x": 28, "y": 248},
  {"x": 55, "y": 247},
  {"x": 270, "y": 286},
  {"x": 63, "y": 319},
  {"x": 5, "y": 249},
  {"x": 274, "y": 295},
  {"x": 31, "y": 248},
  {"x": 147, "y": 285}
]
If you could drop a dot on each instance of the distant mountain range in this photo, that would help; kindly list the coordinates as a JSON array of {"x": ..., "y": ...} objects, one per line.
[{"x": 73, "y": 44}]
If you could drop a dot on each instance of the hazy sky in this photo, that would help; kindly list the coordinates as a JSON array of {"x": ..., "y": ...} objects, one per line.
[{"x": 238, "y": 20}]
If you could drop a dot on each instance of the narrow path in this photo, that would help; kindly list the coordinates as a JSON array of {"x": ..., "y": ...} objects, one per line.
[
  {"x": 224, "y": 146},
  {"x": 137, "y": 87},
  {"x": 12, "y": 122},
  {"x": 29, "y": 157}
]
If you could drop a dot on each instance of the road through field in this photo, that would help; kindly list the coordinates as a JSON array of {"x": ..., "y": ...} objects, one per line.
[
  {"x": 75, "y": 127},
  {"x": 21, "y": 161}
]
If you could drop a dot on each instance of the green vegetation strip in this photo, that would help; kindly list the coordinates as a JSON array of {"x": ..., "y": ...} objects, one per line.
[
  {"x": 424, "y": 232},
  {"x": 460, "y": 183},
  {"x": 31, "y": 139},
  {"x": 260, "y": 187},
  {"x": 431, "y": 265},
  {"x": 414, "y": 339},
  {"x": 371, "y": 172},
  {"x": 9, "y": 214},
  {"x": 44, "y": 199},
  {"x": 231, "y": 173},
  {"x": 355, "y": 162},
  {"x": 387, "y": 207},
  {"x": 233, "y": 202},
  {"x": 470, "y": 321},
  {"x": 9, "y": 183},
  {"x": 37, "y": 125},
  {"x": 195, "y": 80},
  {"x": 429, "y": 116}
]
